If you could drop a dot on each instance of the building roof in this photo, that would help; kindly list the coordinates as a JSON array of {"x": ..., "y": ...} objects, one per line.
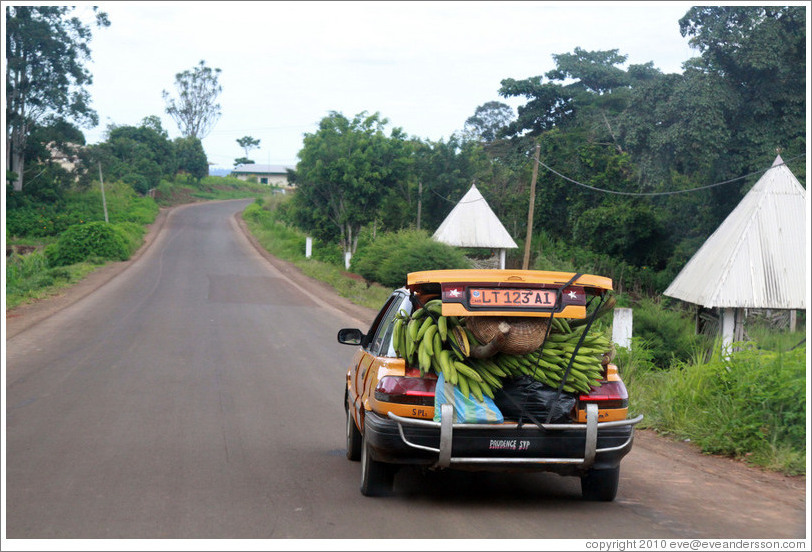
[
  {"x": 472, "y": 223},
  {"x": 757, "y": 258},
  {"x": 253, "y": 168}
]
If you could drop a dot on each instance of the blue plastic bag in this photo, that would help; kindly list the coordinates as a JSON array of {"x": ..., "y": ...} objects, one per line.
[{"x": 467, "y": 410}]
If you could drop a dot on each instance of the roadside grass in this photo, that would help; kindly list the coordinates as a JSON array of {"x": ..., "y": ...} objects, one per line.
[
  {"x": 750, "y": 406},
  {"x": 288, "y": 243},
  {"x": 29, "y": 278}
]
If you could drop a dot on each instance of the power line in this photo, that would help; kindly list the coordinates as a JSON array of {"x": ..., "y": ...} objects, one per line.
[
  {"x": 456, "y": 202},
  {"x": 673, "y": 192},
  {"x": 649, "y": 194}
]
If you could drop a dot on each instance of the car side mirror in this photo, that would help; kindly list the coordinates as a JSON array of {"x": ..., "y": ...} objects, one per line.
[{"x": 350, "y": 336}]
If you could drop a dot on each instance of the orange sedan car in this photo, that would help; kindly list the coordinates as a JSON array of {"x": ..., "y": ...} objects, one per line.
[{"x": 489, "y": 370}]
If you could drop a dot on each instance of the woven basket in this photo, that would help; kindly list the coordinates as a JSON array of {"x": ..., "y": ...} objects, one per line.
[{"x": 526, "y": 333}]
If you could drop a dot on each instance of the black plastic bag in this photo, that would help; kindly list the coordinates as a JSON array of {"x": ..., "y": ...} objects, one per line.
[{"x": 527, "y": 398}]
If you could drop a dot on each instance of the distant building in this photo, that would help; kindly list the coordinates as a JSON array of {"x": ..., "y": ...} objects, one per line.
[
  {"x": 65, "y": 157},
  {"x": 272, "y": 175}
]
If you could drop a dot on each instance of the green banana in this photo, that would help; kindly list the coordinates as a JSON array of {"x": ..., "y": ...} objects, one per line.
[
  {"x": 462, "y": 383},
  {"x": 437, "y": 342},
  {"x": 429, "y": 337},
  {"x": 435, "y": 306},
  {"x": 467, "y": 371},
  {"x": 426, "y": 324},
  {"x": 476, "y": 390},
  {"x": 423, "y": 357},
  {"x": 442, "y": 326},
  {"x": 413, "y": 327}
]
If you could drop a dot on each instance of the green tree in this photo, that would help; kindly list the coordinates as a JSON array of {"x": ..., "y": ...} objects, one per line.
[
  {"x": 756, "y": 57},
  {"x": 46, "y": 52},
  {"x": 195, "y": 110},
  {"x": 191, "y": 157},
  {"x": 746, "y": 92},
  {"x": 346, "y": 168},
  {"x": 488, "y": 120},
  {"x": 446, "y": 169},
  {"x": 247, "y": 143},
  {"x": 140, "y": 155},
  {"x": 548, "y": 105}
]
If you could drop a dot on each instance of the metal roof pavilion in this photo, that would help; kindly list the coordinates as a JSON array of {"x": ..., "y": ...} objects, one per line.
[
  {"x": 472, "y": 223},
  {"x": 758, "y": 256}
]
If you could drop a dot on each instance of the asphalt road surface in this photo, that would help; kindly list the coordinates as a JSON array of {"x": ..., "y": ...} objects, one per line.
[{"x": 198, "y": 394}]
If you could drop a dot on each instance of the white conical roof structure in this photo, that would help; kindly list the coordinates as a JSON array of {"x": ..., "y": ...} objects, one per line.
[
  {"x": 758, "y": 256},
  {"x": 472, "y": 223}
]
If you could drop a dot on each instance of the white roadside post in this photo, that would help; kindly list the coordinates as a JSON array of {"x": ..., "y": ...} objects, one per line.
[
  {"x": 728, "y": 331},
  {"x": 622, "y": 327},
  {"x": 308, "y": 247}
]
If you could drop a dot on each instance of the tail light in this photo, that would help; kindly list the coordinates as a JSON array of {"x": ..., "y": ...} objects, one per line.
[
  {"x": 611, "y": 394},
  {"x": 408, "y": 389}
]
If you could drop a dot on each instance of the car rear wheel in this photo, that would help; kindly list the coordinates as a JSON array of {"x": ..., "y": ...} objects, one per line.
[
  {"x": 377, "y": 478},
  {"x": 600, "y": 485},
  {"x": 353, "y": 439}
]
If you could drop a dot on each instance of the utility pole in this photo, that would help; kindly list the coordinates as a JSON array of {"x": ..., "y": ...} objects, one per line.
[
  {"x": 526, "y": 262},
  {"x": 104, "y": 201}
]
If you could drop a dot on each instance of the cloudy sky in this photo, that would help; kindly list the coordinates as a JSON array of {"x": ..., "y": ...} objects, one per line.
[{"x": 424, "y": 66}]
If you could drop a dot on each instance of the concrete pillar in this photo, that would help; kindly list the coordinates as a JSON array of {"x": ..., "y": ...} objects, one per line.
[
  {"x": 728, "y": 328},
  {"x": 622, "y": 327}
]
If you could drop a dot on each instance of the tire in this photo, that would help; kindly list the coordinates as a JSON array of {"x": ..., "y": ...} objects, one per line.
[
  {"x": 600, "y": 485},
  {"x": 353, "y": 439},
  {"x": 377, "y": 478}
]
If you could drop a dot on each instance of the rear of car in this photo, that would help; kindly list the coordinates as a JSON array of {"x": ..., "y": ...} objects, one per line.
[{"x": 489, "y": 370}]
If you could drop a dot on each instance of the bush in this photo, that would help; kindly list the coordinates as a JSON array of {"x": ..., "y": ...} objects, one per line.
[
  {"x": 27, "y": 217},
  {"x": 751, "y": 405},
  {"x": 669, "y": 334},
  {"x": 81, "y": 242},
  {"x": 392, "y": 256}
]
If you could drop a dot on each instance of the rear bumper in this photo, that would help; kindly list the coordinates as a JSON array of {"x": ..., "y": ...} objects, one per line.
[{"x": 563, "y": 448}]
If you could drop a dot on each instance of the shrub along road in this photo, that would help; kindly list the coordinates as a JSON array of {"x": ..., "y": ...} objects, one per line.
[{"x": 197, "y": 394}]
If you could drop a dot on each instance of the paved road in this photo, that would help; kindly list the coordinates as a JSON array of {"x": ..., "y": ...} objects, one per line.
[{"x": 198, "y": 395}]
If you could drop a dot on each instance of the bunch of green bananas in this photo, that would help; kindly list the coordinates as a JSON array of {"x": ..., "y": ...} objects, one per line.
[
  {"x": 442, "y": 344},
  {"x": 548, "y": 363}
]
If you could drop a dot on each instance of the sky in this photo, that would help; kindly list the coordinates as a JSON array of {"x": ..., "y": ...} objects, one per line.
[{"x": 424, "y": 66}]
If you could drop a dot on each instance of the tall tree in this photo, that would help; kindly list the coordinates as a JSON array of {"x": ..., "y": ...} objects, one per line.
[
  {"x": 346, "y": 168},
  {"x": 488, "y": 120},
  {"x": 247, "y": 143},
  {"x": 46, "y": 52},
  {"x": 757, "y": 56},
  {"x": 195, "y": 110}
]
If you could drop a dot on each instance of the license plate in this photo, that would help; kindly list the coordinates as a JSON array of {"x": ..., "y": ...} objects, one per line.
[
  {"x": 512, "y": 298},
  {"x": 519, "y": 445}
]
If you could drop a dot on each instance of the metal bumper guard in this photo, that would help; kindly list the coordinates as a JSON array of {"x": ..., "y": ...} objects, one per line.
[{"x": 447, "y": 427}]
